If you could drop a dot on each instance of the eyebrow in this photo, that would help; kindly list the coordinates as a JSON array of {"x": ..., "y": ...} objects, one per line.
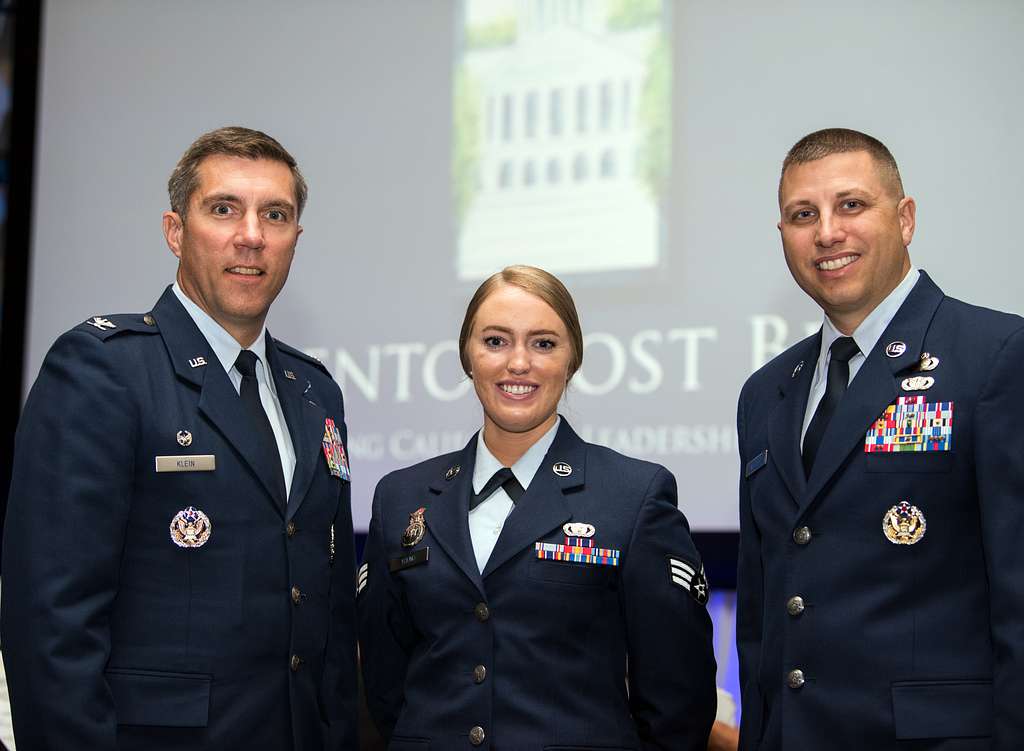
[
  {"x": 232, "y": 198},
  {"x": 535, "y": 332}
]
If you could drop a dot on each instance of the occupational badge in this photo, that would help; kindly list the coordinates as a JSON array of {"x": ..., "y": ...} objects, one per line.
[
  {"x": 416, "y": 529},
  {"x": 895, "y": 349},
  {"x": 928, "y": 362},
  {"x": 561, "y": 469},
  {"x": 334, "y": 451},
  {"x": 904, "y": 524},
  {"x": 917, "y": 383},
  {"x": 184, "y": 438},
  {"x": 190, "y": 528},
  {"x": 102, "y": 323},
  {"x": 797, "y": 369},
  {"x": 912, "y": 424},
  {"x": 689, "y": 577},
  {"x": 452, "y": 472},
  {"x": 578, "y": 529}
]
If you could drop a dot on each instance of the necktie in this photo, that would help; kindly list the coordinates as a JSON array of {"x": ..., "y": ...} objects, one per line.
[
  {"x": 269, "y": 455},
  {"x": 838, "y": 378},
  {"x": 503, "y": 478}
]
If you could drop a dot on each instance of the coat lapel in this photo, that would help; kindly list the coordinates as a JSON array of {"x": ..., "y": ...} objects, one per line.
[
  {"x": 874, "y": 386},
  {"x": 306, "y": 423},
  {"x": 218, "y": 400},
  {"x": 784, "y": 438},
  {"x": 543, "y": 506},
  {"x": 447, "y": 515}
]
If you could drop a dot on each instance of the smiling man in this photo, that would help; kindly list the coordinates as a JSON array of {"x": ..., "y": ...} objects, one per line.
[
  {"x": 880, "y": 600},
  {"x": 178, "y": 563}
]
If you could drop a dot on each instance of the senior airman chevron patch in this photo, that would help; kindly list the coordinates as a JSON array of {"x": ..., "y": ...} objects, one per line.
[{"x": 686, "y": 575}]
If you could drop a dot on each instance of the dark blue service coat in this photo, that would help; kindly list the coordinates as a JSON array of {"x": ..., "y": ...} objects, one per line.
[
  {"x": 913, "y": 643},
  {"x": 114, "y": 636},
  {"x": 537, "y": 653}
]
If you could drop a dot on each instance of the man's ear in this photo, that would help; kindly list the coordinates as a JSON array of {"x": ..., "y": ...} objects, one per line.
[
  {"x": 173, "y": 226},
  {"x": 906, "y": 210}
]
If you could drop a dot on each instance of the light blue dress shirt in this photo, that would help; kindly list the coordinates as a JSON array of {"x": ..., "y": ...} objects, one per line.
[
  {"x": 487, "y": 519},
  {"x": 866, "y": 335},
  {"x": 226, "y": 348}
]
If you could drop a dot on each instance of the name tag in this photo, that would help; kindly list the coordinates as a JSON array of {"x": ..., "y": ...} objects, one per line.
[
  {"x": 756, "y": 463},
  {"x": 197, "y": 463},
  {"x": 408, "y": 561}
]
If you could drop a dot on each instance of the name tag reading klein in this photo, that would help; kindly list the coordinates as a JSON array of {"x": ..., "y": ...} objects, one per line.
[{"x": 197, "y": 463}]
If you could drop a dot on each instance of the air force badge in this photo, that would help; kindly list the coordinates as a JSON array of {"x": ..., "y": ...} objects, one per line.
[
  {"x": 904, "y": 524},
  {"x": 190, "y": 528},
  {"x": 416, "y": 529}
]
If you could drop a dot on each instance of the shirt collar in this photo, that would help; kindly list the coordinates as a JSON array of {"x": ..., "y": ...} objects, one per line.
[
  {"x": 871, "y": 328},
  {"x": 524, "y": 469},
  {"x": 224, "y": 346}
]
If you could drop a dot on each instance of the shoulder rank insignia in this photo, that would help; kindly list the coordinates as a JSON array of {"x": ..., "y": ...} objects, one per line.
[
  {"x": 190, "y": 528},
  {"x": 911, "y": 424},
  {"x": 416, "y": 529},
  {"x": 334, "y": 451},
  {"x": 904, "y": 524},
  {"x": 683, "y": 573}
]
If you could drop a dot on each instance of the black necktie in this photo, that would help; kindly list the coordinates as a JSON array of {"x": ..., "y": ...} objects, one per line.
[
  {"x": 503, "y": 478},
  {"x": 270, "y": 456},
  {"x": 840, "y": 352}
]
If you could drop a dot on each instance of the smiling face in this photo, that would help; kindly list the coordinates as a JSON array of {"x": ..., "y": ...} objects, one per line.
[
  {"x": 845, "y": 234},
  {"x": 236, "y": 244},
  {"x": 519, "y": 352}
]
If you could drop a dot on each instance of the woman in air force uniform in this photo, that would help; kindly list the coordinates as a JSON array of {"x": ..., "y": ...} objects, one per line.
[{"x": 532, "y": 591}]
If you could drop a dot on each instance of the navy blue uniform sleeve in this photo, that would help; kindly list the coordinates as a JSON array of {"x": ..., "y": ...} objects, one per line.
[
  {"x": 341, "y": 687},
  {"x": 749, "y": 604},
  {"x": 999, "y": 463},
  {"x": 66, "y": 518},
  {"x": 385, "y": 633},
  {"x": 671, "y": 664}
]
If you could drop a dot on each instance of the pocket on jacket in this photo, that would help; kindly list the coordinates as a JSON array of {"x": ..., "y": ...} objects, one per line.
[
  {"x": 408, "y": 744},
  {"x": 153, "y": 697},
  {"x": 579, "y": 574},
  {"x": 942, "y": 709},
  {"x": 909, "y": 461}
]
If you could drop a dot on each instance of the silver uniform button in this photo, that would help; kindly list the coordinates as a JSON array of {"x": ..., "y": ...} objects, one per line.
[
  {"x": 479, "y": 674},
  {"x": 795, "y": 678},
  {"x": 802, "y": 535},
  {"x": 476, "y": 735},
  {"x": 795, "y": 605}
]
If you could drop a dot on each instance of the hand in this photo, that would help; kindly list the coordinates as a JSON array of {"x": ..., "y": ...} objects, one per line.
[{"x": 723, "y": 737}]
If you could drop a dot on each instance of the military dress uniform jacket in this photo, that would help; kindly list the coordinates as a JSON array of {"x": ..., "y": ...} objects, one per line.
[
  {"x": 864, "y": 623},
  {"x": 116, "y": 637},
  {"x": 533, "y": 653}
]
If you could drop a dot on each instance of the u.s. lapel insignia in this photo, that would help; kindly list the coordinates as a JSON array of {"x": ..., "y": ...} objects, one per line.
[
  {"x": 190, "y": 528},
  {"x": 197, "y": 362},
  {"x": 416, "y": 529},
  {"x": 578, "y": 529},
  {"x": 452, "y": 471},
  {"x": 917, "y": 383},
  {"x": 334, "y": 451},
  {"x": 895, "y": 349},
  {"x": 290, "y": 375},
  {"x": 928, "y": 362},
  {"x": 184, "y": 438},
  {"x": 690, "y": 578},
  {"x": 798, "y": 368},
  {"x": 904, "y": 524},
  {"x": 561, "y": 469},
  {"x": 102, "y": 323}
]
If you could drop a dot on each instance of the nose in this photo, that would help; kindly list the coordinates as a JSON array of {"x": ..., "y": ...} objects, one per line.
[
  {"x": 830, "y": 230},
  {"x": 250, "y": 231},
  {"x": 519, "y": 359}
]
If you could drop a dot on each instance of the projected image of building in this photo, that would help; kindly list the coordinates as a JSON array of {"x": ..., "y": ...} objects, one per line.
[{"x": 562, "y": 120}]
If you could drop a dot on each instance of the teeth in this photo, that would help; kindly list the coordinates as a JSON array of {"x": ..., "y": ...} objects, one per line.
[
  {"x": 244, "y": 270},
  {"x": 517, "y": 388},
  {"x": 837, "y": 263}
]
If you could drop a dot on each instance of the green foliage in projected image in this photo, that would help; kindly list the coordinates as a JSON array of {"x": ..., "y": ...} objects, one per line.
[
  {"x": 499, "y": 33},
  {"x": 466, "y": 146},
  {"x": 631, "y": 14},
  {"x": 654, "y": 159}
]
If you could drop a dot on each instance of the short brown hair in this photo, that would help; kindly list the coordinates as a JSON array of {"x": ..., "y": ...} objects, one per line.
[
  {"x": 537, "y": 282},
  {"x": 823, "y": 143},
  {"x": 230, "y": 141}
]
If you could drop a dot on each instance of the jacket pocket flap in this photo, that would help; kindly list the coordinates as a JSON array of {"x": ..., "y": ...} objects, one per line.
[
  {"x": 942, "y": 709},
  {"x": 149, "y": 697}
]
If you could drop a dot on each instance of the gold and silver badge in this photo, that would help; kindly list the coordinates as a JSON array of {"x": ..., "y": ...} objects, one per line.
[
  {"x": 416, "y": 529},
  {"x": 190, "y": 528},
  {"x": 904, "y": 524}
]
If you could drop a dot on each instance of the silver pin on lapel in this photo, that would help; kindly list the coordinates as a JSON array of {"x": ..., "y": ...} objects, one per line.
[
  {"x": 184, "y": 438},
  {"x": 895, "y": 349},
  {"x": 798, "y": 368},
  {"x": 452, "y": 471},
  {"x": 290, "y": 375},
  {"x": 102, "y": 323},
  {"x": 917, "y": 383},
  {"x": 561, "y": 469},
  {"x": 197, "y": 362}
]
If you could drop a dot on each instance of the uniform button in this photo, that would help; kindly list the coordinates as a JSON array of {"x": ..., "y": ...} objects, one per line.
[
  {"x": 296, "y": 595},
  {"x": 291, "y": 529},
  {"x": 295, "y": 663},
  {"x": 479, "y": 673},
  {"x": 795, "y": 605},
  {"x": 802, "y": 535},
  {"x": 482, "y": 613},
  {"x": 795, "y": 678},
  {"x": 476, "y": 735}
]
